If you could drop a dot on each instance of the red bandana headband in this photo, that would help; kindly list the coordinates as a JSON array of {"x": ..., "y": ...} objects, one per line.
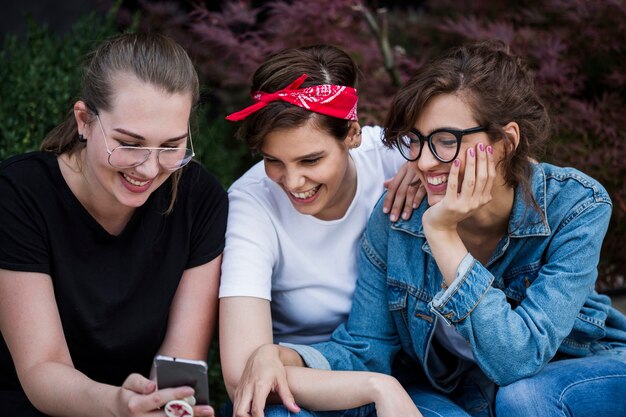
[{"x": 332, "y": 100}]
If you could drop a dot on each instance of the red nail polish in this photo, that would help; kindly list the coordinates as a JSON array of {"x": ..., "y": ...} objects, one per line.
[
  {"x": 481, "y": 147},
  {"x": 490, "y": 149},
  {"x": 471, "y": 151},
  {"x": 457, "y": 163}
]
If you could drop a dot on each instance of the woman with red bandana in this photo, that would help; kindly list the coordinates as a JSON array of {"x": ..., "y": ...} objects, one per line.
[
  {"x": 295, "y": 218},
  {"x": 110, "y": 243}
]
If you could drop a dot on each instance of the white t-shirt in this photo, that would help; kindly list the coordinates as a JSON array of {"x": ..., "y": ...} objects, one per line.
[{"x": 305, "y": 266}]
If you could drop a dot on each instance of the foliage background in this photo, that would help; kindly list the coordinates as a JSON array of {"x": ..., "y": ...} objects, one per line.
[{"x": 576, "y": 48}]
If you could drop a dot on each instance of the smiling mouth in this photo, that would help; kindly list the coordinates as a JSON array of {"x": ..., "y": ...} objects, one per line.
[
  {"x": 305, "y": 195},
  {"x": 437, "y": 180},
  {"x": 133, "y": 181}
]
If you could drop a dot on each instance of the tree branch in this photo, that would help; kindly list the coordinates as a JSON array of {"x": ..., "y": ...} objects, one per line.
[{"x": 381, "y": 32}]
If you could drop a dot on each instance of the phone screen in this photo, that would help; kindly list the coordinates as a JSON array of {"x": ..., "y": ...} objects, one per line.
[{"x": 177, "y": 372}]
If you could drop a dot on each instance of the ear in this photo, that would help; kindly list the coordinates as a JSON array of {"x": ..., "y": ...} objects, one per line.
[
  {"x": 512, "y": 131},
  {"x": 83, "y": 116},
  {"x": 353, "y": 139}
]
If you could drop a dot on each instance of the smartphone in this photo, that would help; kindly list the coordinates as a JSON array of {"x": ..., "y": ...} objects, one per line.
[{"x": 177, "y": 372}]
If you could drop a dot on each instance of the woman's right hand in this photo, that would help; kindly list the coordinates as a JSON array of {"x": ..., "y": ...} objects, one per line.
[
  {"x": 264, "y": 374},
  {"x": 404, "y": 193},
  {"x": 476, "y": 185},
  {"x": 392, "y": 400},
  {"x": 138, "y": 396}
]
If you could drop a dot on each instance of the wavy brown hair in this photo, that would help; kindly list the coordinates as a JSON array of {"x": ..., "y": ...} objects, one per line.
[
  {"x": 152, "y": 58},
  {"x": 323, "y": 64},
  {"x": 499, "y": 89}
]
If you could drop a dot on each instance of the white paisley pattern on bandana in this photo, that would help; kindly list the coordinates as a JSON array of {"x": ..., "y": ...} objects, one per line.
[{"x": 332, "y": 100}]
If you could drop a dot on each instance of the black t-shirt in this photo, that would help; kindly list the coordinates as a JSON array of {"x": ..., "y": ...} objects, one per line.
[{"x": 113, "y": 292}]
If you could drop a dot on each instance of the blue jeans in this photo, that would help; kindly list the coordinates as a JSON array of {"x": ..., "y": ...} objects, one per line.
[
  {"x": 280, "y": 411},
  {"x": 430, "y": 403},
  {"x": 591, "y": 386}
]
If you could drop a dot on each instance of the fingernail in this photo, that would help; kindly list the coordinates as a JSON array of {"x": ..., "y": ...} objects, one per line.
[
  {"x": 393, "y": 218},
  {"x": 385, "y": 210},
  {"x": 415, "y": 206},
  {"x": 481, "y": 147},
  {"x": 457, "y": 162},
  {"x": 471, "y": 152},
  {"x": 405, "y": 215},
  {"x": 296, "y": 406},
  {"x": 489, "y": 149}
]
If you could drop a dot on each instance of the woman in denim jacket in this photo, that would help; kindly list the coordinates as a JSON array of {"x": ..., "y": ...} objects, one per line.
[{"x": 488, "y": 290}]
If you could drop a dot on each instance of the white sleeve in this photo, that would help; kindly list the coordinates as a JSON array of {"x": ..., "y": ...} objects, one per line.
[
  {"x": 250, "y": 251},
  {"x": 391, "y": 158}
]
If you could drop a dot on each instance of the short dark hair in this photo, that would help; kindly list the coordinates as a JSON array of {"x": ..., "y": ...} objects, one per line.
[{"x": 323, "y": 64}]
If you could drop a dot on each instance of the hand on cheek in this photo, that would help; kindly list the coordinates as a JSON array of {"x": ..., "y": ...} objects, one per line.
[
  {"x": 478, "y": 191},
  {"x": 478, "y": 180},
  {"x": 460, "y": 202}
]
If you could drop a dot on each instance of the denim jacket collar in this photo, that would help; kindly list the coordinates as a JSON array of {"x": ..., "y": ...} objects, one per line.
[{"x": 525, "y": 221}]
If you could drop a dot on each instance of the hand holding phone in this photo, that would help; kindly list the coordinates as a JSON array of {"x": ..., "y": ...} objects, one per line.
[{"x": 177, "y": 372}]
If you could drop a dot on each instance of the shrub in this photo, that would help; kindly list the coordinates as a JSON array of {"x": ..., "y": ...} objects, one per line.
[
  {"x": 228, "y": 44},
  {"x": 576, "y": 48},
  {"x": 40, "y": 76},
  {"x": 578, "y": 54}
]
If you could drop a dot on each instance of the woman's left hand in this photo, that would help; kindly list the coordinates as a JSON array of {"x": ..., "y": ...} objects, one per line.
[
  {"x": 404, "y": 193},
  {"x": 263, "y": 375},
  {"x": 478, "y": 180}
]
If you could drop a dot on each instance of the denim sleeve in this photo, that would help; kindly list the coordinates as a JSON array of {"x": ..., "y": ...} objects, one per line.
[
  {"x": 368, "y": 340},
  {"x": 511, "y": 344},
  {"x": 312, "y": 358},
  {"x": 463, "y": 289}
]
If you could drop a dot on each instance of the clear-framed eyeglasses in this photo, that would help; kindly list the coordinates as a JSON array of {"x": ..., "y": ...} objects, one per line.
[
  {"x": 170, "y": 159},
  {"x": 444, "y": 143}
]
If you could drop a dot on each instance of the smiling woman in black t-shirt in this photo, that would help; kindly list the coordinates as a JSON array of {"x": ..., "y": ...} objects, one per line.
[{"x": 109, "y": 251}]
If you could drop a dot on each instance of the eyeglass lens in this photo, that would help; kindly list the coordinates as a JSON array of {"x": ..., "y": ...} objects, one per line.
[
  {"x": 443, "y": 144},
  {"x": 130, "y": 156}
]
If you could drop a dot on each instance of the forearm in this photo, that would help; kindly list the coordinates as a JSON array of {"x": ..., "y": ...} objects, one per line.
[
  {"x": 193, "y": 313},
  {"x": 448, "y": 250},
  {"x": 321, "y": 390},
  {"x": 57, "y": 389},
  {"x": 245, "y": 326}
]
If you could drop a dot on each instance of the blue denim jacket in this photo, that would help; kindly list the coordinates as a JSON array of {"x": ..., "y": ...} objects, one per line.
[{"x": 535, "y": 297}]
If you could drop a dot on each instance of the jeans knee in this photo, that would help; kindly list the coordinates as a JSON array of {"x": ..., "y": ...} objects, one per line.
[{"x": 518, "y": 398}]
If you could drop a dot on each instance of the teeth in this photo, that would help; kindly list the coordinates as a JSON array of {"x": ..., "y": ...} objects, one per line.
[
  {"x": 437, "y": 180},
  {"x": 134, "y": 182},
  {"x": 307, "y": 194}
]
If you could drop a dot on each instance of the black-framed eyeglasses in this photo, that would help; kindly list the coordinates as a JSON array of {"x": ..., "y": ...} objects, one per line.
[
  {"x": 170, "y": 159},
  {"x": 444, "y": 143}
]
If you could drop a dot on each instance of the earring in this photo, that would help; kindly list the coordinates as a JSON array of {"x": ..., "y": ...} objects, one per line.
[
  {"x": 356, "y": 145},
  {"x": 81, "y": 138}
]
